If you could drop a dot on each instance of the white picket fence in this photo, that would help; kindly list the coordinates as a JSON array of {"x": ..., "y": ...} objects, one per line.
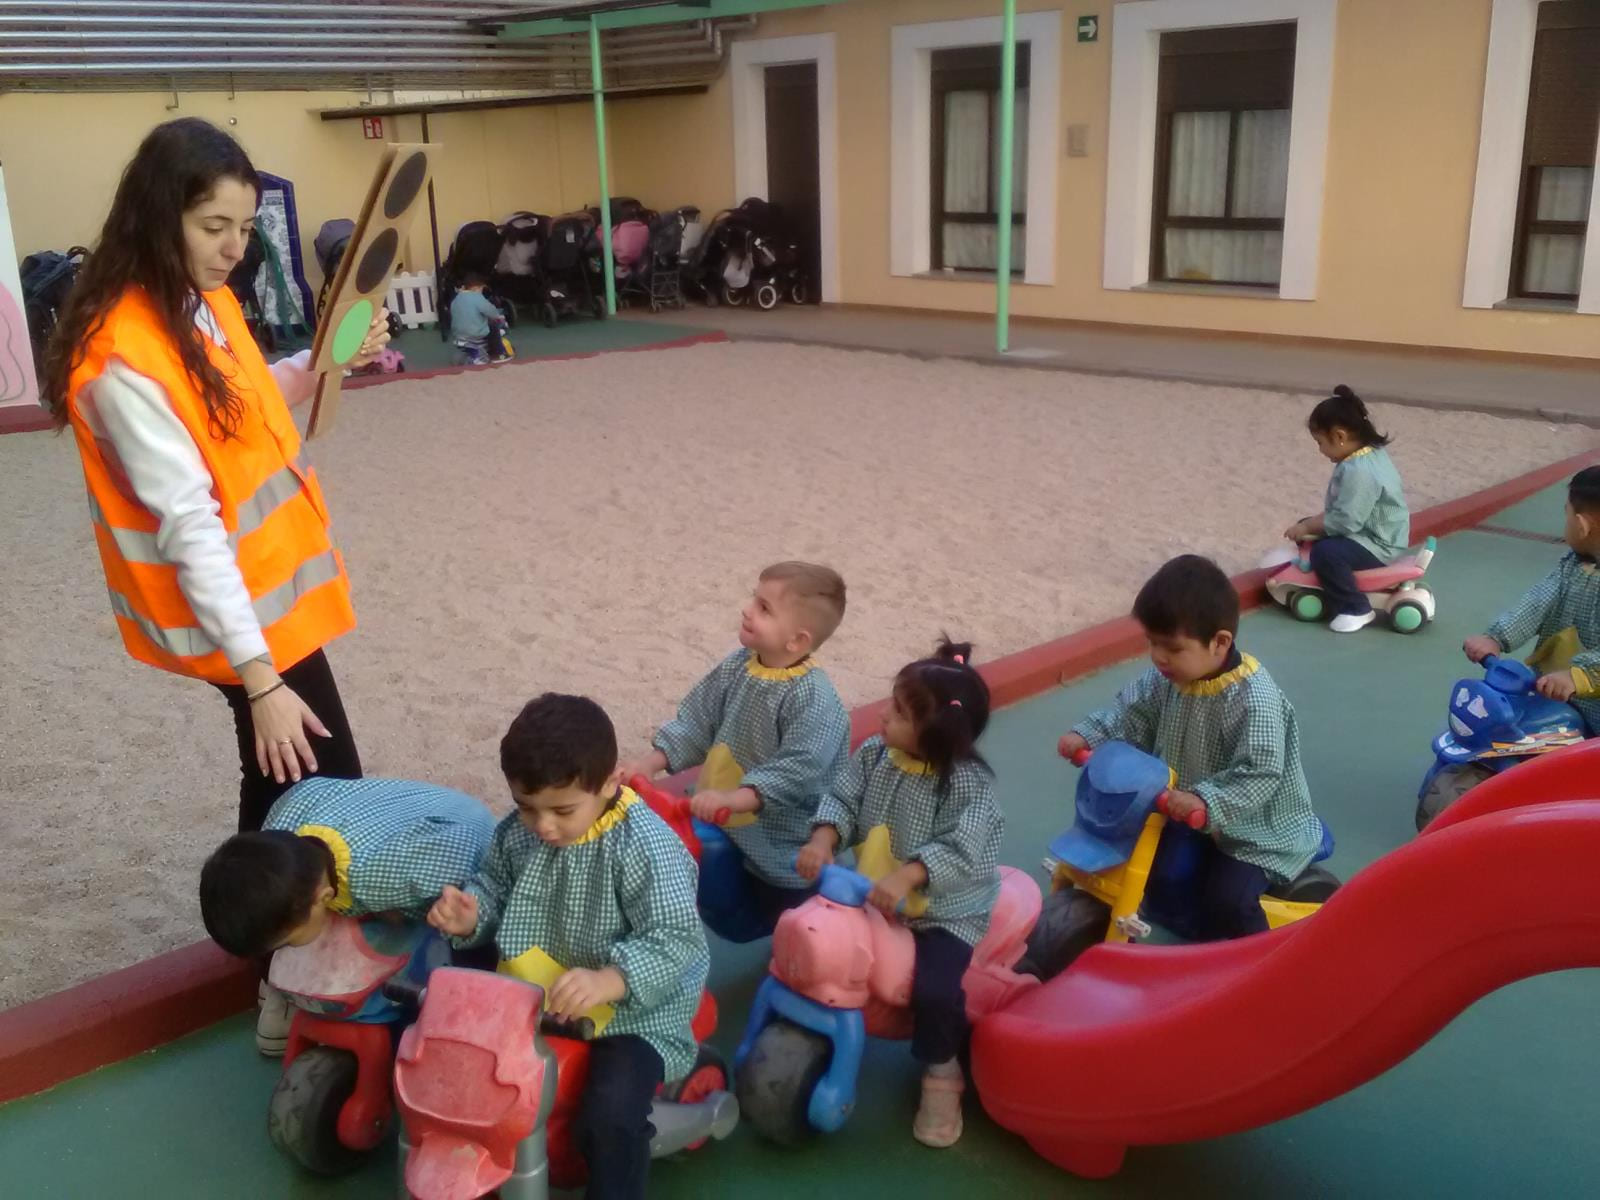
[{"x": 414, "y": 298}]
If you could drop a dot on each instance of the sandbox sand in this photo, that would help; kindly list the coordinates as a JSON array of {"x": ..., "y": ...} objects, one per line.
[{"x": 593, "y": 526}]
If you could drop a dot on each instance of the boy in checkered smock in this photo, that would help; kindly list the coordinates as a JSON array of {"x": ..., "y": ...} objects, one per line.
[
  {"x": 768, "y": 727},
  {"x": 1215, "y": 717},
  {"x": 350, "y": 846},
  {"x": 586, "y": 892},
  {"x": 916, "y": 804},
  {"x": 1561, "y": 613}
]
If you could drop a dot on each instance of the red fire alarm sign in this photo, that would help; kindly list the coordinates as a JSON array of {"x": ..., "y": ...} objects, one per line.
[{"x": 372, "y": 127}]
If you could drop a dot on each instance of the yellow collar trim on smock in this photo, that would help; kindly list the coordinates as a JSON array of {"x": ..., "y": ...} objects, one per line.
[
  {"x": 1358, "y": 453},
  {"x": 612, "y": 817},
  {"x": 909, "y": 764},
  {"x": 340, "y": 849},
  {"x": 1215, "y": 687},
  {"x": 754, "y": 667}
]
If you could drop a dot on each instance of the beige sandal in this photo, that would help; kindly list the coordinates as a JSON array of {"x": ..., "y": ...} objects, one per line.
[{"x": 938, "y": 1122}]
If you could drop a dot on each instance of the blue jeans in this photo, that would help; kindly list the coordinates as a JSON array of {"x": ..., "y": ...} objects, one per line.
[
  {"x": 1335, "y": 560},
  {"x": 613, "y": 1127}
]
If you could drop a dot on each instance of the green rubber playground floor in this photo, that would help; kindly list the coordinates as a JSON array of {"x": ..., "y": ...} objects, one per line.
[
  {"x": 425, "y": 351},
  {"x": 1503, "y": 1099}
]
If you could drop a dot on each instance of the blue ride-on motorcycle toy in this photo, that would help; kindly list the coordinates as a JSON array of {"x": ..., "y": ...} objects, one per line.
[{"x": 1494, "y": 723}]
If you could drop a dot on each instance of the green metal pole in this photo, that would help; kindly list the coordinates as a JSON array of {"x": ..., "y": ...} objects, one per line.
[
  {"x": 600, "y": 154},
  {"x": 1008, "y": 105}
]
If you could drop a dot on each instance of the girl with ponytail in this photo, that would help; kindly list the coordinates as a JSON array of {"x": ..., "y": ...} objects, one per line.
[
  {"x": 916, "y": 803},
  {"x": 1365, "y": 522}
]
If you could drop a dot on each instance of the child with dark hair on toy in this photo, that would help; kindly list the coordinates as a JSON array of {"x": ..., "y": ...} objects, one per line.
[
  {"x": 916, "y": 803},
  {"x": 1561, "y": 611},
  {"x": 1215, "y": 716},
  {"x": 588, "y": 894},
  {"x": 357, "y": 847},
  {"x": 1365, "y": 522},
  {"x": 769, "y": 728},
  {"x": 477, "y": 325}
]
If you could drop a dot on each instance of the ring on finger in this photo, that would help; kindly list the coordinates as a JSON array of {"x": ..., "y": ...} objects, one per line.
[{"x": 285, "y": 741}]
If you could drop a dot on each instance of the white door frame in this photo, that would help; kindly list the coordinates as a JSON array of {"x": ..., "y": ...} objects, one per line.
[{"x": 749, "y": 61}]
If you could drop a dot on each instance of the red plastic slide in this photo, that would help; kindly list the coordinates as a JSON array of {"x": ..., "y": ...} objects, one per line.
[{"x": 1151, "y": 1045}]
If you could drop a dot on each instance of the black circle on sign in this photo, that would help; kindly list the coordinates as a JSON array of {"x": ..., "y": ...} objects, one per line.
[
  {"x": 375, "y": 263},
  {"x": 404, "y": 184}
]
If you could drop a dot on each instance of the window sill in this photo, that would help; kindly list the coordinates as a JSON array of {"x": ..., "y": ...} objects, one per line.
[
  {"x": 990, "y": 277},
  {"x": 1233, "y": 290},
  {"x": 1529, "y": 304}
]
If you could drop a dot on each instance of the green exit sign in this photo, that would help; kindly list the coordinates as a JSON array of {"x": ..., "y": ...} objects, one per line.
[{"x": 1089, "y": 29}]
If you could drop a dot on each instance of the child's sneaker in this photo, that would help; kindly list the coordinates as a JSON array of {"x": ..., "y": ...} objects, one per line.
[
  {"x": 1350, "y": 622},
  {"x": 272, "y": 1025},
  {"x": 938, "y": 1122}
]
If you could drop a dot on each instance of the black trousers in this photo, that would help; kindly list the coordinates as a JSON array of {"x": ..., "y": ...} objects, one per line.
[
  {"x": 613, "y": 1126},
  {"x": 938, "y": 1002},
  {"x": 773, "y": 901},
  {"x": 1335, "y": 561},
  {"x": 312, "y": 680}
]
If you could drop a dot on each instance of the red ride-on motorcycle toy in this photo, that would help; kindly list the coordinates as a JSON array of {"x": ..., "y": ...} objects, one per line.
[
  {"x": 842, "y": 970},
  {"x": 487, "y": 1100},
  {"x": 333, "y": 1102}
]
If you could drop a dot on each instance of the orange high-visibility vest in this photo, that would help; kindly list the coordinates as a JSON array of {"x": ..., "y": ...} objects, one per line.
[{"x": 270, "y": 502}]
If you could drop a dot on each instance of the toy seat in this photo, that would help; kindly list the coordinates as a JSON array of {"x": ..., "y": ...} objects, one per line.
[
  {"x": 1016, "y": 910},
  {"x": 469, "y": 1081},
  {"x": 336, "y": 973}
]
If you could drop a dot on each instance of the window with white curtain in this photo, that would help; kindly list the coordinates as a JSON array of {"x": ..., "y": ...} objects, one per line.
[
  {"x": 1222, "y": 154},
  {"x": 1558, "y": 152},
  {"x": 966, "y": 159}
]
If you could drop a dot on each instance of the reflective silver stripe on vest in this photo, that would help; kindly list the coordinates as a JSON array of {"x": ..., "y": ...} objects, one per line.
[
  {"x": 188, "y": 641},
  {"x": 137, "y": 546}
]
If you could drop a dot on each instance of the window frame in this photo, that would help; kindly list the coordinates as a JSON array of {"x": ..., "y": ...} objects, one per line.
[{"x": 938, "y": 89}]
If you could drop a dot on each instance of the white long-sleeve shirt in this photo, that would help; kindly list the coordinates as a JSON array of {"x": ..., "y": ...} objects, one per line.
[{"x": 171, "y": 479}]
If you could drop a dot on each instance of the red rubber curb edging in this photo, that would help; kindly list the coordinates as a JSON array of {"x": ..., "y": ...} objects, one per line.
[
  {"x": 24, "y": 418},
  {"x": 115, "y": 1016}
]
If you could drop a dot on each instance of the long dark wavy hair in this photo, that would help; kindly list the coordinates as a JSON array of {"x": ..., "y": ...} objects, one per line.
[{"x": 177, "y": 166}]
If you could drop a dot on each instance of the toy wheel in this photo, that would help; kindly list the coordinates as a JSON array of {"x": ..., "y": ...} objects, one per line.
[
  {"x": 798, "y": 292},
  {"x": 732, "y": 296},
  {"x": 1313, "y": 886},
  {"x": 1445, "y": 788},
  {"x": 1069, "y": 923},
  {"x": 1408, "y": 616},
  {"x": 1306, "y": 606},
  {"x": 766, "y": 297},
  {"x": 775, "y": 1082},
  {"x": 303, "y": 1116},
  {"x": 709, "y": 1076}
]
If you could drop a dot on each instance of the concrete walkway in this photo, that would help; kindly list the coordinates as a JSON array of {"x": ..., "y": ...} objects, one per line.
[{"x": 1428, "y": 378}]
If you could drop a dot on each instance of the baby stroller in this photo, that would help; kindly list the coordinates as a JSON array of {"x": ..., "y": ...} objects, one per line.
[
  {"x": 566, "y": 288},
  {"x": 746, "y": 254},
  {"x": 330, "y": 244},
  {"x": 630, "y": 254},
  {"x": 516, "y": 270},
  {"x": 658, "y": 280}
]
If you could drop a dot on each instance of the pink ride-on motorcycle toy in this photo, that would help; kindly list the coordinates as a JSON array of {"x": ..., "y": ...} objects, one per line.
[
  {"x": 1396, "y": 589},
  {"x": 842, "y": 970},
  {"x": 487, "y": 1101}
]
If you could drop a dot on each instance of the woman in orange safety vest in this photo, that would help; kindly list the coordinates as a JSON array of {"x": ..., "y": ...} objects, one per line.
[{"x": 210, "y": 523}]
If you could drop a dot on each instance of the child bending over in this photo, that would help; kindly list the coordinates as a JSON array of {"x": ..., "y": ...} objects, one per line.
[
  {"x": 1365, "y": 522},
  {"x": 587, "y": 893},
  {"x": 768, "y": 726},
  {"x": 1562, "y": 611},
  {"x": 350, "y": 846},
  {"x": 917, "y": 805},
  {"x": 1214, "y": 716}
]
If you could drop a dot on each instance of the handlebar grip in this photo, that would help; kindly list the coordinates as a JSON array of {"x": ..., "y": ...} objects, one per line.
[
  {"x": 1077, "y": 757},
  {"x": 720, "y": 817},
  {"x": 403, "y": 991},
  {"x": 580, "y": 1029},
  {"x": 1195, "y": 820}
]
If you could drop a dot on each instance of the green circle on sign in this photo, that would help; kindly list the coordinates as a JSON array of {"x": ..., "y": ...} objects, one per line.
[{"x": 352, "y": 331}]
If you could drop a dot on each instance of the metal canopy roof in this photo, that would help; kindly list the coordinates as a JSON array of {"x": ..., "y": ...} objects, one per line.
[{"x": 128, "y": 45}]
